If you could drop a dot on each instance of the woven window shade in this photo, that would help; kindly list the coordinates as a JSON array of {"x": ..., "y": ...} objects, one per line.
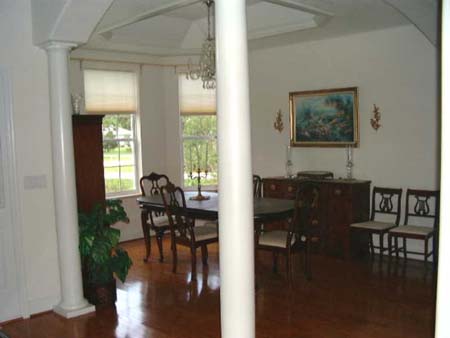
[
  {"x": 194, "y": 100},
  {"x": 110, "y": 92}
]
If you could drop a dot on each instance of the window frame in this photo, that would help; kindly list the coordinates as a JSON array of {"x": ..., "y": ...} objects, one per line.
[
  {"x": 213, "y": 187},
  {"x": 134, "y": 142},
  {"x": 92, "y": 65}
]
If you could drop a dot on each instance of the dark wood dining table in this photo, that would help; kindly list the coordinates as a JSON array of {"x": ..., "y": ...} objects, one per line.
[{"x": 264, "y": 209}]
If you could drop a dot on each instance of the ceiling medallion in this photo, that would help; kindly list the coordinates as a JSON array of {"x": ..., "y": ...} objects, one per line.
[{"x": 206, "y": 68}]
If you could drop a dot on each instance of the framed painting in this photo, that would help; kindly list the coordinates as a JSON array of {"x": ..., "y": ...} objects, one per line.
[{"x": 324, "y": 118}]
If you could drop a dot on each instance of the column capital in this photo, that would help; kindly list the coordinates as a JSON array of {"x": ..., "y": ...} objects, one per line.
[{"x": 57, "y": 45}]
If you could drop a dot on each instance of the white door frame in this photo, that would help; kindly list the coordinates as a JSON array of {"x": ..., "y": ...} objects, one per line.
[{"x": 6, "y": 109}]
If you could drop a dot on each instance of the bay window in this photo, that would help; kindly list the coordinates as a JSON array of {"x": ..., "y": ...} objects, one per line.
[
  {"x": 198, "y": 132},
  {"x": 114, "y": 94}
]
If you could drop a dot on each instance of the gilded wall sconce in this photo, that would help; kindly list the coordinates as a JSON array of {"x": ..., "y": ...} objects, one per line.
[
  {"x": 375, "y": 120},
  {"x": 278, "y": 124}
]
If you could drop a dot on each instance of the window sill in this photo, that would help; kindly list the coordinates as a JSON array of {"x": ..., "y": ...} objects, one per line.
[{"x": 124, "y": 195}]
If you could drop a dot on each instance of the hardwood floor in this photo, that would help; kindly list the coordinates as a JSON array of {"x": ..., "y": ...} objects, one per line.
[{"x": 345, "y": 299}]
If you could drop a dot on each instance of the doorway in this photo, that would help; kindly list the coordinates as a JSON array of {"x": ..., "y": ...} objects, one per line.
[{"x": 9, "y": 261}]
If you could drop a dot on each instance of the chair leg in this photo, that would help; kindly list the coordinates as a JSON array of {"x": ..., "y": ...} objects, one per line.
[
  {"x": 307, "y": 262},
  {"x": 204, "y": 254},
  {"x": 372, "y": 251},
  {"x": 435, "y": 251},
  {"x": 381, "y": 245},
  {"x": 193, "y": 263},
  {"x": 159, "y": 240},
  {"x": 396, "y": 246},
  {"x": 275, "y": 262},
  {"x": 426, "y": 251},
  {"x": 146, "y": 232},
  {"x": 390, "y": 246},
  {"x": 175, "y": 257},
  {"x": 288, "y": 268},
  {"x": 404, "y": 249}
]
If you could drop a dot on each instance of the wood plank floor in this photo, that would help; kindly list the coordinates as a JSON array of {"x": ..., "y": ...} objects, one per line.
[{"x": 345, "y": 299}]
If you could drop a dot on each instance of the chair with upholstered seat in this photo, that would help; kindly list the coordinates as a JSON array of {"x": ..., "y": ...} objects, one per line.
[
  {"x": 385, "y": 201},
  {"x": 183, "y": 230},
  {"x": 300, "y": 229},
  {"x": 421, "y": 205},
  {"x": 154, "y": 220}
]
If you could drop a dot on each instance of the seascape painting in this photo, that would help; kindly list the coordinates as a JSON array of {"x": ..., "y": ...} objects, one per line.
[{"x": 327, "y": 118}]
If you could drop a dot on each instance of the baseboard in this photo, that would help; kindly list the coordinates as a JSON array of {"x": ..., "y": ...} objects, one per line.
[{"x": 39, "y": 305}]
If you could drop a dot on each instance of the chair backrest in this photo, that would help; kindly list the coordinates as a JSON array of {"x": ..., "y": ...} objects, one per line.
[
  {"x": 257, "y": 186},
  {"x": 422, "y": 204},
  {"x": 386, "y": 201},
  {"x": 151, "y": 184},
  {"x": 307, "y": 212},
  {"x": 175, "y": 206}
]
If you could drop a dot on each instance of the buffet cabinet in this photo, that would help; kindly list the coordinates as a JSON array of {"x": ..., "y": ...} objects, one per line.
[
  {"x": 88, "y": 152},
  {"x": 341, "y": 202}
]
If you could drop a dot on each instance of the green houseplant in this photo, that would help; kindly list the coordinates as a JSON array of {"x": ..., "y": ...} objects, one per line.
[{"x": 101, "y": 257}]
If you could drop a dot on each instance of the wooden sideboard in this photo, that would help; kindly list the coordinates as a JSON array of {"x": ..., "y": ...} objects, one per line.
[
  {"x": 88, "y": 151},
  {"x": 342, "y": 202}
]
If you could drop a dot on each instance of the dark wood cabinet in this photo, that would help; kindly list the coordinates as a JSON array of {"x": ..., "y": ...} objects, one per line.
[
  {"x": 342, "y": 202},
  {"x": 88, "y": 150}
]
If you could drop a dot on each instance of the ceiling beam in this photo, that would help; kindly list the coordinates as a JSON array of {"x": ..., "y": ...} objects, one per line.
[
  {"x": 148, "y": 14},
  {"x": 301, "y": 7}
]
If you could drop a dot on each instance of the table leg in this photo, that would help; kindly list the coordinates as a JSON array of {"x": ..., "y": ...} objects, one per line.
[{"x": 146, "y": 231}]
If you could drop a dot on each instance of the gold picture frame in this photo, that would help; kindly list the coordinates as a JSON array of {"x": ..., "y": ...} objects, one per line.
[{"x": 324, "y": 118}]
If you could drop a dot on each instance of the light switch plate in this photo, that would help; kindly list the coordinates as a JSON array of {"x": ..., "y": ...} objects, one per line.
[{"x": 35, "y": 182}]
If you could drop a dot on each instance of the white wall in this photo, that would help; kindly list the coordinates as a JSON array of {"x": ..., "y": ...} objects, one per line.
[
  {"x": 393, "y": 68},
  {"x": 396, "y": 69},
  {"x": 152, "y": 121},
  {"x": 28, "y": 67}
]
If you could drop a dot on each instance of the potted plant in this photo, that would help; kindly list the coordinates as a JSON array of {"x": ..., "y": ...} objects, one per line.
[{"x": 101, "y": 257}]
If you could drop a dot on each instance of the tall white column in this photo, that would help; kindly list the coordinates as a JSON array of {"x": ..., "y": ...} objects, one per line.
[
  {"x": 237, "y": 286},
  {"x": 72, "y": 301},
  {"x": 443, "y": 291}
]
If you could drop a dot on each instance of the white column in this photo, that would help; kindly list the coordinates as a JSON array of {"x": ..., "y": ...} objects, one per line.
[
  {"x": 72, "y": 301},
  {"x": 237, "y": 285},
  {"x": 443, "y": 290}
]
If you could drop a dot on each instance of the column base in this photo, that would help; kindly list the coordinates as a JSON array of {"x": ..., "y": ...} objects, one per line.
[{"x": 71, "y": 313}]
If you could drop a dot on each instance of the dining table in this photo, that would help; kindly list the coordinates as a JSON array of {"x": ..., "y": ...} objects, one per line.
[{"x": 264, "y": 209}]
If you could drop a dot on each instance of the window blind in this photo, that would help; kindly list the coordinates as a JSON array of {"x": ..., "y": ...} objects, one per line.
[
  {"x": 194, "y": 99},
  {"x": 110, "y": 92}
]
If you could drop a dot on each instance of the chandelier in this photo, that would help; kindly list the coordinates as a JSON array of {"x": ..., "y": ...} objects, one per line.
[{"x": 206, "y": 68}]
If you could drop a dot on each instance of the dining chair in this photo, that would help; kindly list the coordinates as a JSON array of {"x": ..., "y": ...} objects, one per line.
[
  {"x": 299, "y": 232},
  {"x": 154, "y": 220},
  {"x": 421, "y": 205},
  {"x": 386, "y": 202},
  {"x": 183, "y": 230}
]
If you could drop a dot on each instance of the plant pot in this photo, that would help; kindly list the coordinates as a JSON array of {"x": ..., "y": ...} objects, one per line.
[{"x": 101, "y": 294}]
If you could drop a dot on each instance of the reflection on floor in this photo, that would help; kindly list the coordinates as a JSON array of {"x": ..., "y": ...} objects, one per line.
[{"x": 346, "y": 298}]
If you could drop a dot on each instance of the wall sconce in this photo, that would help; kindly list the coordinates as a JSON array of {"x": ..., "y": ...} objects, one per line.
[
  {"x": 375, "y": 120},
  {"x": 278, "y": 124}
]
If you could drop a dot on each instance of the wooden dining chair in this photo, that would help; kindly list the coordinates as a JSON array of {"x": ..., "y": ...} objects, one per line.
[
  {"x": 421, "y": 206},
  {"x": 299, "y": 232},
  {"x": 183, "y": 230},
  {"x": 154, "y": 220},
  {"x": 386, "y": 202}
]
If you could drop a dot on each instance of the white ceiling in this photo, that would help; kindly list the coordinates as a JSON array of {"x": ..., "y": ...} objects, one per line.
[{"x": 178, "y": 27}]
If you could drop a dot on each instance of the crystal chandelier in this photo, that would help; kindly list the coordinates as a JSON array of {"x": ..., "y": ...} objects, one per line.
[{"x": 206, "y": 68}]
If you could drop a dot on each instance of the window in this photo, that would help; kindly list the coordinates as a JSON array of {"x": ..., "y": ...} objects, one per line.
[
  {"x": 114, "y": 94},
  {"x": 199, "y": 132}
]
